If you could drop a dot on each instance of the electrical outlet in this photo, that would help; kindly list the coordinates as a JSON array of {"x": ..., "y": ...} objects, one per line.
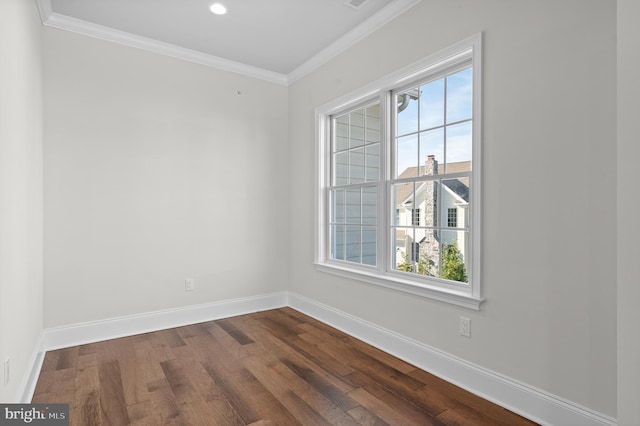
[
  {"x": 465, "y": 327},
  {"x": 7, "y": 371},
  {"x": 189, "y": 284}
]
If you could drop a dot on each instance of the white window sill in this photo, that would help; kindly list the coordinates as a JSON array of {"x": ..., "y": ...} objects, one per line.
[{"x": 454, "y": 297}]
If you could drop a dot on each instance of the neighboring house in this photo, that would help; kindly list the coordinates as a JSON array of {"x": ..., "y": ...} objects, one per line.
[{"x": 437, "y": 214}]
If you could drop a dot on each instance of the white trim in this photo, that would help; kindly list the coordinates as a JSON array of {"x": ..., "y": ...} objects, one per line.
[
  {"x": 467, "y": 51},
  {"x": 56, "y": 20},
  {"x": 379, "y": 19},
  {"x": 396, "y": 282},
  {"x": 475, "y": 197},
  {"x": 113, "y": 328},
  {"x": 45, "y": 9},
  {"x": 30, "y": 378},
  {"x": 528, "y": 401}
]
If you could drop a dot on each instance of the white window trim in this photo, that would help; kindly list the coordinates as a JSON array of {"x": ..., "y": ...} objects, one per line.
[{"x": 468, "y": 296}]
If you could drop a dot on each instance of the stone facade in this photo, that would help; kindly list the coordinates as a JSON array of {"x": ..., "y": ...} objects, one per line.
[{"x": 429, "y": 244}]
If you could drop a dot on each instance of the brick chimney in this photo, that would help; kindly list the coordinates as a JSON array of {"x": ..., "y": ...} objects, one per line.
[
  {"x": 431, "y": 166},
  {"x": 430, "y": 243}
]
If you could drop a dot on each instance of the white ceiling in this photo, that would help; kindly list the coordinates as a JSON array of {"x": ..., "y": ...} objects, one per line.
[{"x": 277, "y": 40}]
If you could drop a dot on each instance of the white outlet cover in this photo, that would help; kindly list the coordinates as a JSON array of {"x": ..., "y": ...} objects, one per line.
[
  {"x": 465, "y": 327},
  {"x": 189, "y": 284}
]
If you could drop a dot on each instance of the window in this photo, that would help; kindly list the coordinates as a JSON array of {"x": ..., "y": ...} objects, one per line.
[
  {"x": 452, "y": 217},
  {"x": 415, "y": 217},
  {"x": 399, "y": 179},
  {"x": 355, "y": 161}
]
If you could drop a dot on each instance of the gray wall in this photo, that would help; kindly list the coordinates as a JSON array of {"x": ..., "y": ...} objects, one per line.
[
  {"x": 628, "y": 208},
  {"x": 155, "y": 171},
  {"x": 549, "y": 246},
  {"x": 20, "y": 190}
]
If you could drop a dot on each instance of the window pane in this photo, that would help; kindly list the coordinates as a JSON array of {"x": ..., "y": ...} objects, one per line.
[
  {"x": 353, "y": 206},
  {"x": 427, "y": 198},
  {"x": 337, "y": 242},
  {"x": 403, "y": 196},
  {"x": 337, "y": 202},
  {"x": 356, "y": 147},
  {"x": 356, "y": 129},
  {"x": 459, "y": 147},
  {"x": 342, "y": 133},
  {"x": 429, "y": 260},
  {"x": 459, "y": 96},
  {"x": 357, "y": 118},
  {"x": 407, "y": 118},
  {"x": 354, "y": 242},
  {"x": 416, "y": 251},
  {"x": 454, "y": 255},
  {"x": 407, "y": 156},
  {"x": 403, "y": 239},
  {"x": 455, "y": 195},
  {"x": 356, "y": 166},
  {"x": 372, "y": 124},
  {"x": 341, "y": 168},
  {"x": 353, "y": 239},
  {"x": 369, "y": 236},
  {"x": 431, "y": 151},
  {"x": 432, "y": 104},
  {"x": 369, "y": 205},
  {"x": 372, "y": 162},
  {"x": 431, "y": 252}
]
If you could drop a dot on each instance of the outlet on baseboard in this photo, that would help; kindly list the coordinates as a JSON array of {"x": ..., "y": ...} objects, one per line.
[
  {"x": 189, "y": 284},
  {"x": 7, "y": 371}
]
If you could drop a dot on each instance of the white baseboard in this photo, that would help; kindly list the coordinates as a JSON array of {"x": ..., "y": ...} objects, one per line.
[
  {"x": 113, "y": 328},
  {"x": 529, "y": 402},
  {"x": 95, "y": 331},
  {"x": 532, "y": 403},
  {"x": 28, "y": 383}
]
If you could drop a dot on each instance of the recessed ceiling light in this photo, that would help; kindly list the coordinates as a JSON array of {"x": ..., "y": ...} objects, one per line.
[{"x": 218, "y": 9}]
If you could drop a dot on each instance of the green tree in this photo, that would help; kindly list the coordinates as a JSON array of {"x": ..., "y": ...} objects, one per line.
[
  {"x": 453, "y": 264},
  {"x": 425, "y": 264},
  {"x": 405, "y": 266}
]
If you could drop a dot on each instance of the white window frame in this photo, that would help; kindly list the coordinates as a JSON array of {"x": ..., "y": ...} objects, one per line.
[{"x": 468, "y": 295}]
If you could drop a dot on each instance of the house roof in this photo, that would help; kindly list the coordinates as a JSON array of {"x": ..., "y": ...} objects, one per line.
[
  {"x": 459, "y": 186},
  {"x": 461, "y": 166}
]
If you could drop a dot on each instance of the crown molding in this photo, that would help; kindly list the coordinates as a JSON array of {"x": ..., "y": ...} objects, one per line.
[
  {"x": 45, "y": 9},
  {"x": 379, "y": 19},
  {"x": 55, "y": 20},
  {"x": 63, "y": 22}
]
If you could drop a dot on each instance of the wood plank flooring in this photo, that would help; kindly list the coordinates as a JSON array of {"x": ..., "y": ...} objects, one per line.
[{"x": 278, "y": 367}]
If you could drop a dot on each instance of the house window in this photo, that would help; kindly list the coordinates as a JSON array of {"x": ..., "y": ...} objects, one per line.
[
  {"x": 415, "y": 217},
  {"x": 452, "y": 217},
  {"x": 397, "y": 161},
  {"x": 415, "y": 252}
]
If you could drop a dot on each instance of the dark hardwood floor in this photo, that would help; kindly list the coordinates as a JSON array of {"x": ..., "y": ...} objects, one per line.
[{"x": 277, "y": 367}]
